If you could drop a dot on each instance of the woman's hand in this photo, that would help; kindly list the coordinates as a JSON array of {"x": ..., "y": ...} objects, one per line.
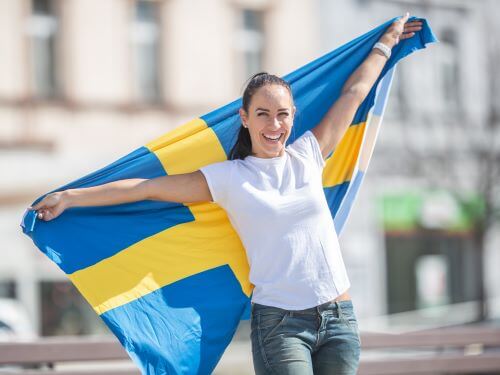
[
  {"x": 399, "y": 30},
  {"x": 51, "y": 206}
]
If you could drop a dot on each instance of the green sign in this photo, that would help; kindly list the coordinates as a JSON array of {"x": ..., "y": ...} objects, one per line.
[{"x": 436, "y": 209}]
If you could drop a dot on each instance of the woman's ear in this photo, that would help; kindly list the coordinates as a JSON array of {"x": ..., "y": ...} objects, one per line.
[{"x": 244, "y": 117}]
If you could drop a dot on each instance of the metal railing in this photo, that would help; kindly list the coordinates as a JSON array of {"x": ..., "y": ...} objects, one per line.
[{"x": 444, "y": 351}]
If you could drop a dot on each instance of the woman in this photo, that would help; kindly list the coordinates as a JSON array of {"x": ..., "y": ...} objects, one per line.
[{"x": 303, "y": 320}]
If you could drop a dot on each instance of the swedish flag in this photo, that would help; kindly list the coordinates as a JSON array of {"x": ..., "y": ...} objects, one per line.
[{"x": 171, "y": 280}]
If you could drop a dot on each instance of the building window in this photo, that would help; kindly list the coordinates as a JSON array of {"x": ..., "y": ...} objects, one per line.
[
  {"x": 8, "y": 289},
  {"x": 251, "y": 41},
  {"x": 449, "y": 58},
  {"x": 42, "y": 28},
  {"x": 146, "y": 50}
]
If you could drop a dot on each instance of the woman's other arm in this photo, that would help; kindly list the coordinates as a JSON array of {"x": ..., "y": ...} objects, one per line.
[
  {"x": 181, "y": 188},
  {"x": 335, "y": 123}
]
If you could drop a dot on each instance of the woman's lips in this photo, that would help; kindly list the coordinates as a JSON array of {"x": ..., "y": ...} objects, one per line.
[{"x": 273, "y": 138}]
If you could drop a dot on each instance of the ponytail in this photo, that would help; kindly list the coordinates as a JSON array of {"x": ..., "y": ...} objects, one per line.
[{"x": 243, "y": 146}]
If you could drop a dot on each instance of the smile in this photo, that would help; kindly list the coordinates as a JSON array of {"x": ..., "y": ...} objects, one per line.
[{"x": 273, "y": 138}]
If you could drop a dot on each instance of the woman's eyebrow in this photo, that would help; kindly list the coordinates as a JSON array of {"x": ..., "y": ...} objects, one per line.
[{"x": 267, "y": 110}]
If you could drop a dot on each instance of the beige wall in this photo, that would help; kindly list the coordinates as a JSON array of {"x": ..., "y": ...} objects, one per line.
[
  {"x": 200, "y": 68},
  {"x": 97, "y": 50},
  {"x": 12, "y": 74}
]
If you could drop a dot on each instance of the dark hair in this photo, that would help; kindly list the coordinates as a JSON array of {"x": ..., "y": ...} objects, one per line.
[{"x": 243, "y": 146}]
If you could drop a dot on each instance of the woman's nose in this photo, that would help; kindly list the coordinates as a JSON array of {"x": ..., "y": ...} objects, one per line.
[{"x": 276, "y": 123}]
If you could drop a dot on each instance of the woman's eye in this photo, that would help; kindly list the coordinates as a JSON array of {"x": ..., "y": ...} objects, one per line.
[{"x": 279, "y": 114}]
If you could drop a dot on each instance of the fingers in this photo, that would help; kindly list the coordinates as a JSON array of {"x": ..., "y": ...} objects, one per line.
[
  {"x": 410, "y": 29},
  {"x": 405, "y": 17},
  {"x": 36, "y": 206},
  {"x": 42, "y": 209},
  {"x": 405, "y": 30},
  {"x": 50, "y": 200},
  {"x": 406, "y": 36},
  {"x": 42, "y": 204},
  {"x": 39, "y": 209},
  {"x": 45, "y": 215},
  {"x": 413, "y": 26},
  {"x": 414, "y": 22}
]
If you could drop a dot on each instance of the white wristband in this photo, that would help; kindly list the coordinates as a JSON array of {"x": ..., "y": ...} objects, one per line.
[{"x": 383, "y": 48}]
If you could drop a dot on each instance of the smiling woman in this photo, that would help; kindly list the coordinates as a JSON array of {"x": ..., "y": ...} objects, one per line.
[
  {"x": 267, "y": 117},
  {"x": 303, "y": 320}
]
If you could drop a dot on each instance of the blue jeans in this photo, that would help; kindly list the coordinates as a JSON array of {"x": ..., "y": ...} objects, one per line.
[{"x": 319, "y": 340}]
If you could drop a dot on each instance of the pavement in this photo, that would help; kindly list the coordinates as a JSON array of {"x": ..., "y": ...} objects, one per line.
[{"x": 236, "y": 360}]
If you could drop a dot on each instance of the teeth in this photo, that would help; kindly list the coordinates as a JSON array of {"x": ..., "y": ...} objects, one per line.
[{"x": 272, "y": 138}]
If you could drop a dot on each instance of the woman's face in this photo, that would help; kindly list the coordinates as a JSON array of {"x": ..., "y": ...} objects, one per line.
[{"x": 269, "y": 120}]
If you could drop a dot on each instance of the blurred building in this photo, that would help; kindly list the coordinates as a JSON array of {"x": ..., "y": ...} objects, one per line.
[
  {"x": 85, "y": 82},
  {"x": 412, "y": 241}
]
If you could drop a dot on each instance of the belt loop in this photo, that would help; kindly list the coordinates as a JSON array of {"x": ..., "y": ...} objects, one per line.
[{"x": 339, "y": 310}]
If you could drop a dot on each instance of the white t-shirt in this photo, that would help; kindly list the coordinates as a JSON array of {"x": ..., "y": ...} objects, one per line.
[{"x": 278, "y": 208}]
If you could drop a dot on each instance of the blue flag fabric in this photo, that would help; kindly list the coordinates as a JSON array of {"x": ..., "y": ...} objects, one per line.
[{"x": 171, "y": 280}]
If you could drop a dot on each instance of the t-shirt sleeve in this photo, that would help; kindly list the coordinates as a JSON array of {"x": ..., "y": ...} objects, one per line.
[
  {"x": 218, "y": 178},
  {"x": 308, "y": 146}
]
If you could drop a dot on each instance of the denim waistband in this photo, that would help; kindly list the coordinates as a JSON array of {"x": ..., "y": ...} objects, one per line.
[{"x": 330, "y": 305}]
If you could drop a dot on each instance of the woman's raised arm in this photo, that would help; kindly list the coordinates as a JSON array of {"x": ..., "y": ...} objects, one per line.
[
  {"x": 182, "y": 188},
  {"x": 335, "y": 123}
]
